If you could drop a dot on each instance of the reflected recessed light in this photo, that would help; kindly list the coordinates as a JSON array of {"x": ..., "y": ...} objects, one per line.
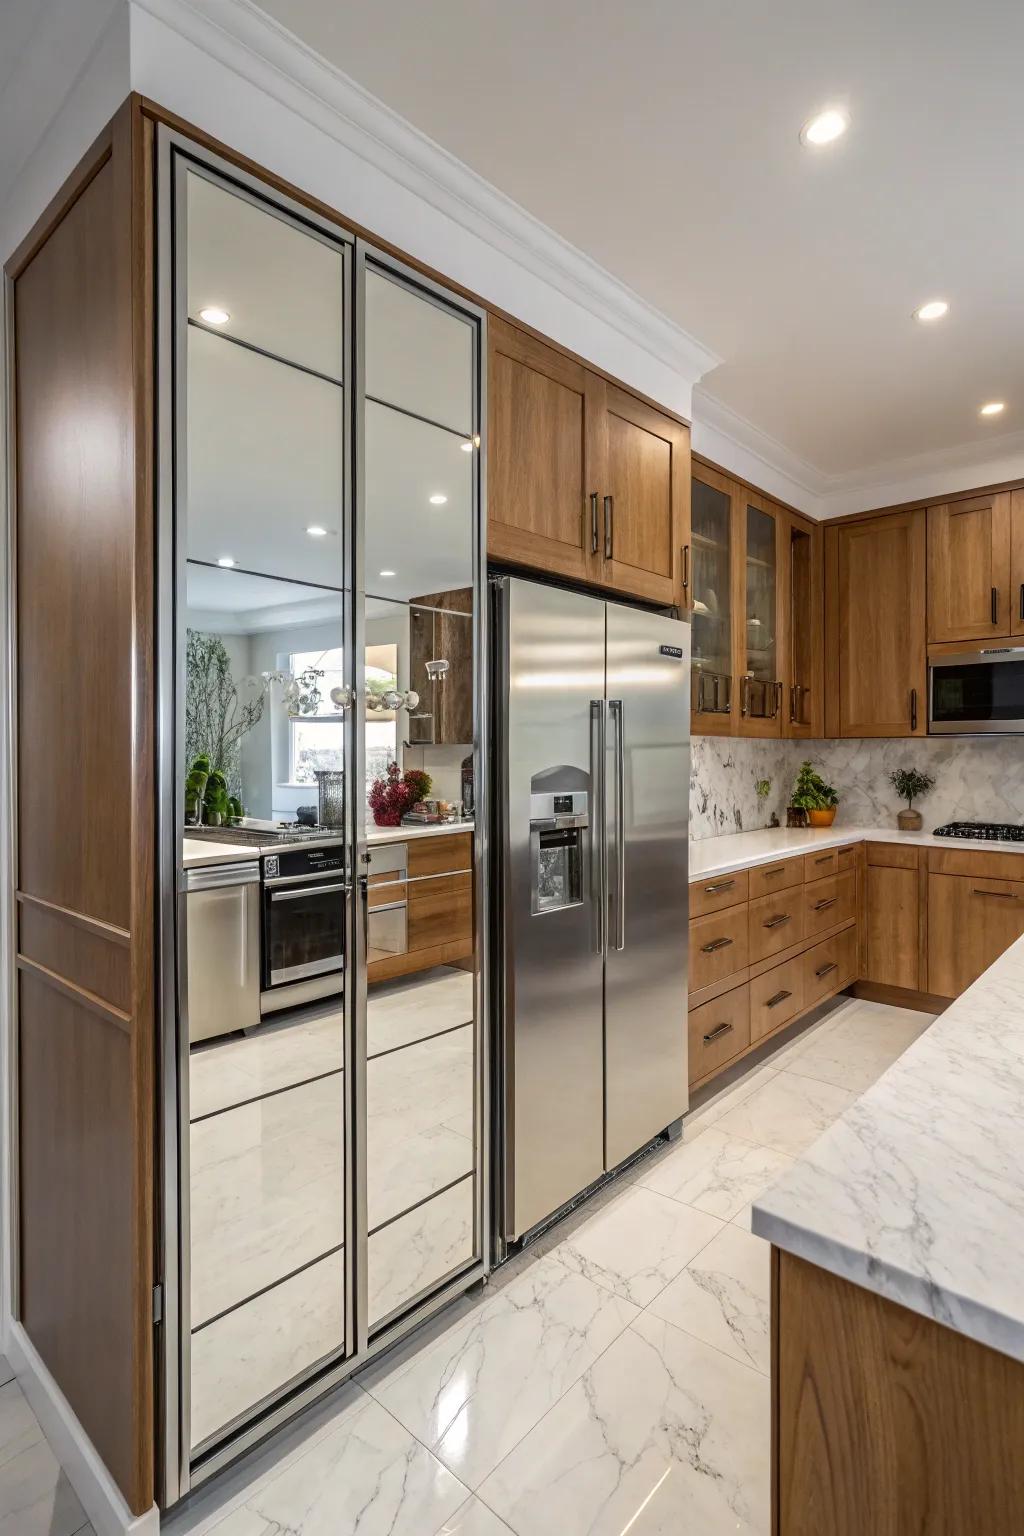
[
  {"x": 933, "y": 310},
  {"x": 437, "y": 500},
  {"x": 214, "y": 315},
  {"x": 825, "y": 127},
  {"x": 992, "y": 408},
  {"x": 227, "y": 561},
  {"x": 316, "y": 532},
  {"x": 466, "y": 447},
  {"x": 386, "y": 573}
]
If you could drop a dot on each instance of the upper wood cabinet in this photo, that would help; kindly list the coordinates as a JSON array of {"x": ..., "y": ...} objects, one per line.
[
  {"x": 804, "y": 628},
  {"x": 875, "y": 647},
  {"x": 584, "y": 480},
  {"x": 969, "y": 591},
  {"x": 762, "y": 617},
  {"x": 1017, "y": 563},
  {"x": 715, "y": 599}
]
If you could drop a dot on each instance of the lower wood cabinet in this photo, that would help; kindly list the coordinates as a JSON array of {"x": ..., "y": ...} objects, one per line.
[
  {"x": 718, "y": 946},
  {"x": 428, "y": 915},
  {"x": 776, "y": 996},
  {"x": 719, "y": 1030},
  {"x": 776, "y": 922},
  {"x": 893, "y": 918},
  {"x": 828, "y": 902},
  {"x": 972, "y": 919},
  {"x": 830, "y": 966}
]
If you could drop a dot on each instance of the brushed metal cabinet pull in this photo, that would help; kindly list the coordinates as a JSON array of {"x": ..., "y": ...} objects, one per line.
[
  {"x": 826, "y": 901},
  {"x": 722, "y": 885},
  {"x": 1006, "y": 895},
  {"x": 823, "y": 970},
  {"x": 770, "y": 874},
  {"x": 609, "y": 513},
  {"x": 686, "y": 567},
  {"x": 826, "y": 858},
  {"x": 593, "y": 522},
  {"x": 913, "y": 709},
  {"x": 776, "y": 922},
  {"x": 716, "y": 1034},
  {"x": 995, "y": 606},
  {"x": 780, "y": 997},
  {"x": 714, "y": 945},
  {"x": 1022, "y": 602},
  {"x": 745, "y": 695}
]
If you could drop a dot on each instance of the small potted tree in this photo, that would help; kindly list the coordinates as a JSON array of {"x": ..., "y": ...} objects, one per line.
[
  {"x": 910, "y": 786},
  {"x": 814, "y": 797}
]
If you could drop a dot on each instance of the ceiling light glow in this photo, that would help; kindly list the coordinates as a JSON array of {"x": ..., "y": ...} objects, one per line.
[
  {"x": 466, "y": 447},
  {"x": 386, "y": 573},
  {"x": 824, "y": 127},
  {"x": 933, "y": 310},
  {"x": 214, "y": 315},
  {"x": 227, "y": 561},
  {"x": 993, "y": 408},
  {"x": 316, "y": 532},
  {"x": 437, "y": 500}
]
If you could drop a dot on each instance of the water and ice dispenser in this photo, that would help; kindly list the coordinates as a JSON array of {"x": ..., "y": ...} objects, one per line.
[{"x": 559, "y": 832}]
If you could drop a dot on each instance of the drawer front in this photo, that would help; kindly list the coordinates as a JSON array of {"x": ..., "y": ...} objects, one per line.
[
  {"x": 776, "y": 922},
  {"x": 829, "y": 966},
  {"x": 891, "y": 856},
  {"x": 817, "y": 865},
  {"x": 776, "y": 997},
  {"x": 718, "y": 1031},
  {"x": 767, "y": 879},
  {"x": 848, "y": 858},
  {"x": 717, "y": 892},
  {"x": 718, "y": 946},
  {"x": 828, "y": 902},
  {"x": 976, "y": 862}
]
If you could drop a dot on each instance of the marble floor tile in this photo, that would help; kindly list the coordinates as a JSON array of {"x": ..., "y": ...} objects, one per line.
[
  {"x": 711, "y": 1109},
  {"x": 635, "y": 1244},
  {"x": 422, "y": 1085},
  {"x": 787, "y": 1113},
  {"x": 722, "y": 1297},
  {"x": 403, "y": 1170},
  {"x": 278, "y": 1055},
  {"x": 412, "y": 1008},
  {"x": 476, "y": 1391},
  {"x": 6, "y": 1371},
  {"x": 864, "y": 1040},
  {"x": 715, "y": 1172},
  {"x": 474, "y": 1519},
  {"x": 36, "y": 1498},
  {"x": 662, "y": 1436},
  {"x": 367, "y": 1476},
  {"x": 419, "y": 1249}
]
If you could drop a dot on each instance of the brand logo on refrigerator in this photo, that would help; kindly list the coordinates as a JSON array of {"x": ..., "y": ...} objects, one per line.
[{"x": 675, "y": 651}]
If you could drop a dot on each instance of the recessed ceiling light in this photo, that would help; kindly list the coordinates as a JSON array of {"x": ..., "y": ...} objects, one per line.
[
  {"x": 993, "y": 408},
  {"x": 214, "y": 315},
  {"x": 227, "y": 561},
  {"x": 437, "y": 500},
  {"x": 825, "y": 127},
  {"x": 387, "y": 573},
  {"x": 466, "y": 447},
  {"x": 933, "y": 310},
  {"x": 316, "y": 532}
]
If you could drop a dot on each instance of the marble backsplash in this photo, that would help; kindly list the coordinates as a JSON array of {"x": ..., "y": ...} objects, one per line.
[{"x": 976, "y": 779}]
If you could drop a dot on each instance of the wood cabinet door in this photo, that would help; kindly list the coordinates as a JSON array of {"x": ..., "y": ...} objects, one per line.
[
  {"x": 969, "y": 569},
  {"x": 542, "y": 508},
  {"x": 761, "y": 616},
  {"x": 803, "y": 629},
  {"x": 875, "y": 643},
  {"x": 972, "y": 920},
  {"x": 641, "y": 461},
  {"x": 892, "y": 919},
  {"x": 715, "y": 599},
  {"x": 1017, "y": 563}
]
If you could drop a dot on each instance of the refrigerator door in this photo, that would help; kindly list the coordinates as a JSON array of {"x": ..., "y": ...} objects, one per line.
[
  {"x": 551, "y": 682},
  {"x": 647, "y": 817}
]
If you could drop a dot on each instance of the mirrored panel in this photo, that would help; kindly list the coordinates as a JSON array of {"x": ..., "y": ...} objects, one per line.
[{"x": 419, "y": 354}]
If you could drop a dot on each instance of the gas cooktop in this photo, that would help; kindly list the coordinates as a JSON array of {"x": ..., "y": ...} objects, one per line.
[{"x": 986, "y": 831}]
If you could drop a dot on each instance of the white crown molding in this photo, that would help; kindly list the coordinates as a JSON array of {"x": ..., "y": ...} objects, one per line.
[
  {"x": 242, "y": 37},
  {"x": 729, "y": 439}
]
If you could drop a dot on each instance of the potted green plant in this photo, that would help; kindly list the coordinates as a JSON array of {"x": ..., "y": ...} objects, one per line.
[
  {"x": 910, "y": 786},
  {"x": 812, "y": 795}
]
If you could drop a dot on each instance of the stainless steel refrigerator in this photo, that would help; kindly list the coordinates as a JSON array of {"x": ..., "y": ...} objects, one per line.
[{"x": 593, "y": 741}]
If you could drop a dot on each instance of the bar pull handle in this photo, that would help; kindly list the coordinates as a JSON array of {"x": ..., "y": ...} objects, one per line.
[
  {"x": 686, "y": 568},
  {"x": 598, "y": 853},
  {"x": 609, "y": 515},
  {"x": 826, "y": 858},
  {"x": 593, "y": 524},
  {"x": 913, "y": 709},
  {"x": 995, "y": 606},
  {"x": 1022, "y": 602},
  {"x": 823, "y": 970},
  {"x": 780, "y": 997},
  {"x": 1005, "y": 895},
  {"x": 714, "y": 945},
  {"x": 776, "y": 700},
  {"x": 776, "y": 922},
  {"x": 719, "y": 1030},
  {"x": 769, "y": 874},
  {"x": 744, "y": 695},
  {"x": 820, "y": 906},
  {"x": 793, "y": 713},
  {"x": 722, "y": 885},
  {"x": 615, "y": 713}
]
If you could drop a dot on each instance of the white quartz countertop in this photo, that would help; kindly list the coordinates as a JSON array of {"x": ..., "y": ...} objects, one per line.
[
  {"x": 198, "y": 852},
  {"x": 721, "y": 855},
  {"x": 917, "y": 1192}
]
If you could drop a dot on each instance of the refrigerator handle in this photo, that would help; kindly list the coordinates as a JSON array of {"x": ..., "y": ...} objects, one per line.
[
  {"x": 598, "y": 870},
  {"x": 616, "y": 713}
]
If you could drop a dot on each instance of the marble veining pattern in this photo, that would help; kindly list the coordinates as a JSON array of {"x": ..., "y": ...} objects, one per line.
[{"x": 722, "y": 1297}]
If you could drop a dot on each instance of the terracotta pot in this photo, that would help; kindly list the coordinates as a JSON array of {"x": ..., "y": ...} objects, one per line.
[
  {"x": 821, "y": 818},
  {"x": 910, "y": 821}
]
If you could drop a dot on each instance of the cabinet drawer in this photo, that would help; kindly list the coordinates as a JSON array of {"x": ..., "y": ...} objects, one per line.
[
  {"x": 718, "y": 946},
  {"x": 828, "y": 902},
  {"x": 776, "y": 997},
  {"x": 766, "y": 879},
  {"x": 717, "y": 892},
  {"x": 718, "y": 1031},
  {"x": 817, "y": 865},
  {"x": 976, "y": 861},
  {"x": 776, "y": 922},
  {"x": 829, "y": 966},
  {"x": 848, "y": 857},
  {"x": 892, "y": 856}
]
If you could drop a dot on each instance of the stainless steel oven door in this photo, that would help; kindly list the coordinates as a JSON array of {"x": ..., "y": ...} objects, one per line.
[
  {"x": 304, "y": 930},
  {"x": 977, "y": 691}
]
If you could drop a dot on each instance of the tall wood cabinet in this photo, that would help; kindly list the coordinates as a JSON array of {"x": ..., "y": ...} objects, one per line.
[
  {"x": 976, "y": 568},
  {"x": 875, "y": 648},
  {"x": 584, "y": 480}
]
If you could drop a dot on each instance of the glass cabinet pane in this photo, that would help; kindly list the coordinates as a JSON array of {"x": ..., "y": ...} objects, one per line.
[
  {"x": 801, "y": 624},
  {"x": 761, "y": 614},
  {"x": 711, "y": 538}
]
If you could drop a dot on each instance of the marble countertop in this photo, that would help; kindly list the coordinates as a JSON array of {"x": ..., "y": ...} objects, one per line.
[
  {"x": 198, "y": 852},
  {"x": 917, "y": 1191},
  {"x": 738, "y": 850}
]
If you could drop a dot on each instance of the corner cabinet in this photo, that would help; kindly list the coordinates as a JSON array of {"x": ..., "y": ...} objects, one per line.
[
  {"x": 584, "y": 480},
  {"x": 875, "y": 649}
]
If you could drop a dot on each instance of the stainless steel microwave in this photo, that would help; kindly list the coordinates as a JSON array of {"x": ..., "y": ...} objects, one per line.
[{"x": 975, "y": 691}]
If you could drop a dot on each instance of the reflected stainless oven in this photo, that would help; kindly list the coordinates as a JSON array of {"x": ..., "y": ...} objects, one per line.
[
  {"x": 303, "y": 948},
  {"x": 977, "y": 691}
]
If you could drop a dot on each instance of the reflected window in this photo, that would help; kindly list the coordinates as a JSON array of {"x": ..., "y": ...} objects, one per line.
[
  {"x": 381, "y": 724},
  {"x": 316, "y": 728}
]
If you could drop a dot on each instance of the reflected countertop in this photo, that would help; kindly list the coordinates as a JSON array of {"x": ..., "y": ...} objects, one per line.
[{"x": 199, "y": 852}]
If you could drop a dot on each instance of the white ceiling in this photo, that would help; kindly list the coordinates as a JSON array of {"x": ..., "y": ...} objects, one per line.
[{"x": 662, "y": 139}]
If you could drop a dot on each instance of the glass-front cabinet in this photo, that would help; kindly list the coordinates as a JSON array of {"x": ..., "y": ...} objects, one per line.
[
  {"x": 713, "y": 514},
  {"x": 323, "y": 1061},
  {"x": 760, "y": 684}
]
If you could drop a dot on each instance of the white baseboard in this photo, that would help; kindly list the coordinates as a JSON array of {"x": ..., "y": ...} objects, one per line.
[{"x": 101, "y": 1499}]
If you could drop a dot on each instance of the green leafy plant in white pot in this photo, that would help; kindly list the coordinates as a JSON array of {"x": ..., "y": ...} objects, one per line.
[{"x": 910, "y": 786}]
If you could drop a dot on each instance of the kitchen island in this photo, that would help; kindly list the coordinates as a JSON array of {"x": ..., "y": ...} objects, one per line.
[{"x": 898, "y": 1290}]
